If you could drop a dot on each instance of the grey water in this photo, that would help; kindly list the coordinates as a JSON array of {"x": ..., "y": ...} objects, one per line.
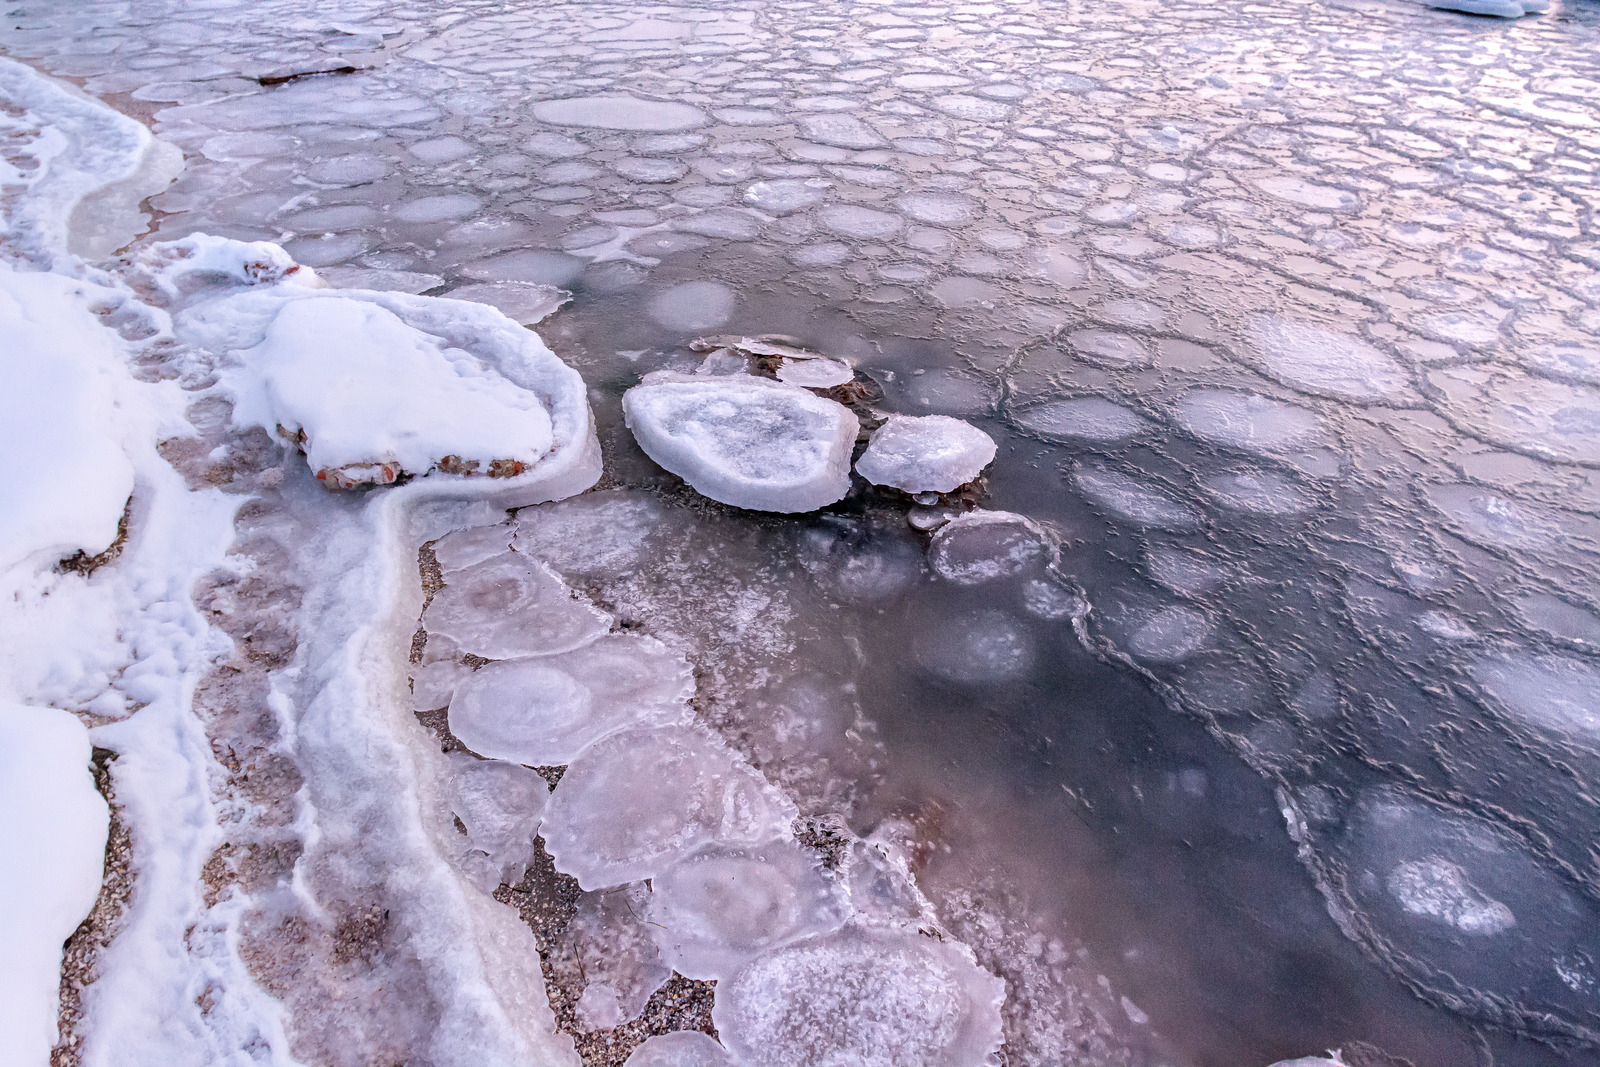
[{"x": 1285, "y": 319}]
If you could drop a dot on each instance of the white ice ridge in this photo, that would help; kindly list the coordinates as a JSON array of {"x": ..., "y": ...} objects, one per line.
[
  {"x": 375, "y": 386},
  {"x": 53, "y": 827},
  {"x": 543, "y": 710},
  {"x": 634, "y": 802},
  {"x": 746, "y": 441},
  {"x": 94, "y": 166},
  {"x": 716, "y": 909},
  {"x": 868, "y": 998},
  {"x": 925, "y": 453}
]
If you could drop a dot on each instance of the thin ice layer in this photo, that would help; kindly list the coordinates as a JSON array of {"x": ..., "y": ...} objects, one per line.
[
  {"x": 635, "y": 801},
  {"x": 510, "y": 606},
  {"x": 500, "y": 805},
  {"x": 607, "y": 948},
  {"x": 716, "y": 909},
  {"x": 53, "y": 827},
  {"x": 543, "y": 711},
  {"x": 861, "y": 997},
  {"x": 982, "y": 546},
  {"x": 925, "y": 454},
  {"x": 684, "y": 1048},
  {"x": 746, "y": 441}
]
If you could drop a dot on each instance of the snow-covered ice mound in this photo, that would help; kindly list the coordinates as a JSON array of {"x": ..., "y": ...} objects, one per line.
[
  {"x": 543, "y": 710},
  {"x": 500, "y": 804},
  {"x": 508, "y": 606},
  {"x": 634, "y": 802},
  {"x": 685, "y": 1048},
  {"x": 377, "y": 386},
  {"x": 925, "y": 454},
  {"x": 713, "y": 911},
  {"x": 982, "y": 546},
  {"x": 53, "y": 828},
  {"x": 864, "y": 998},
  {"x": 746, "y": 441}
]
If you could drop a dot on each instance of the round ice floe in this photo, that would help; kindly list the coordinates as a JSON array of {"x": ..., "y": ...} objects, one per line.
[
  {"x": 982, "y": 546},
  {"x": 864, "y": 998},
  {"x": 601, "y": 534},
  {"x": 1170, "y": 635},
  {"x": 746, "y": 441},
  {"x": 500, "y": 804},
  {"x": 783, "y": 195},
  {"x": 1244, "y": 420},
  {"x": 859, "y": 563},
  {"x": 1258, "y": 492},
  {"x": 1185, "y": 573},
  {"x": 1332, "y": 364},
  {"x": 1133, "y": 501},
  {"x": 512, "y": 606},
  {"x": 1552, "y": 691},
  {"x": 633, "y": 802},
  {"x": 543, "y": 710},
  {"x": 1310, "y": 1061},
  {"x": 925, "y": 453},
  {"x": 815, "y": 373},
  {"x": 608, "y": 948},
  {"x": 685, "y": 1048},
  {"x": 715, "y": 910},
  {"x": 977, "y": 648},
  {"x": 1086, "y": 418},
  {"x": 618, "y": 111},
  {"x": 693, "y": 306}
]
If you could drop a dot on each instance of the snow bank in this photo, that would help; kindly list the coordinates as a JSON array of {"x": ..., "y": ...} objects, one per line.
[
  {"x": 746, "y": 441},
  {"x": 53, "y": 827}
]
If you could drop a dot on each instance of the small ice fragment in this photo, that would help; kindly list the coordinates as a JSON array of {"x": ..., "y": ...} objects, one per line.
[
  {"x": 861, "y": 997},
  {"x": 1506, "y": 9},
  {"x": 978, "y": 648},
  {"x": 683, "y": 1048},
  {"x": 500, "y": 804},
  {"x": 746, "y": 441},
  {"x": 543, "y": 710},
  {"x": 716, "y": 909},
  {"x": 883, "y": 891},
  {"x": 631, "y": 803},
  {"x": 925, "y": 453},
  {"x": 524, "y": 303},
  {"x": 815, "y": 373},
  {"x": 53, "y": 826},
  {"x": 1437, "y": 889},
  {"x": 602, "y": 533},
  {"x": 607, "y": 946},
  {"x": 982, "y": 546},
  {"x": 1310, "y": 1061},
  {"x": 512, "y": 606},
  {"x": 433, "y": 683}
]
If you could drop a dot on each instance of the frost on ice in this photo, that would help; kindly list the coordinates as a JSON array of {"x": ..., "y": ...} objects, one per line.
[
  {"x": 633, "y": 802},
  {"x": 509, "y": 606},
  {"x": 685, "y": 1048},
  {"x": 746, "y": 441},
  {"x": 861, "y": 997},
  {"x": 714, "y": 910},
  {"x": 53, "y": 826},
  {"x": 925, "y": 453},
  {"x": 543, "y": 710}
]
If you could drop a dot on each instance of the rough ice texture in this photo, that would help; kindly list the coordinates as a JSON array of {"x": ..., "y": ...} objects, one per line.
[
  {"x": 864, "y": 998},
  {"x": 685, "y": 1048},
  {"x": 500, "y": 805},
  {"x": 375, "y": 386},
  {"x": 925, "y": 454},
  {"x": 543, "y": 710},
  {"x": 67, "y": 474},
  {"x": 746, "y": 441},
  {"x": 982, "y": 546},
  {"x": 714, "y": 910},
  {"x": 53, "y": 828},
  {"x": 509, "y": 606},
  {"x": 634, "y": 802}
]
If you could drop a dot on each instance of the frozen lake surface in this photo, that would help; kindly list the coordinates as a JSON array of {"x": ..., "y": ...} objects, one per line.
[{"x": 1267, "y": 722}]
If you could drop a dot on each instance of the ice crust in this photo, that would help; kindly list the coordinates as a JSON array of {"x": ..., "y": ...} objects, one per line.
[
  {"x": 861, "y": 997},
  {"x": 714, "y": 910},
  {"x": 543, "y": 711},
  {"x": 53, "y": 826},
  {"x": 746, "y": 441},
  {"x": 510, "y": 605},
  {"x": 632, "y": 803},
  {"x": 684, "y": 1048},
  {"x": 925, "y": 453}
]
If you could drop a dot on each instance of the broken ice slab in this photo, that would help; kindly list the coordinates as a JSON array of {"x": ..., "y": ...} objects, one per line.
[
  {"x": 746, "y": 441},
  {"x": 634, "y": 802},
  {"x": 500, "y": 805},
  {"x": 861, "y": 996},
  {"x": 925, "y": 453},
  {"x": 716, "y": 909},
  {"x": 512, "y": 606},
  {"x": 543, "y": 710}
]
